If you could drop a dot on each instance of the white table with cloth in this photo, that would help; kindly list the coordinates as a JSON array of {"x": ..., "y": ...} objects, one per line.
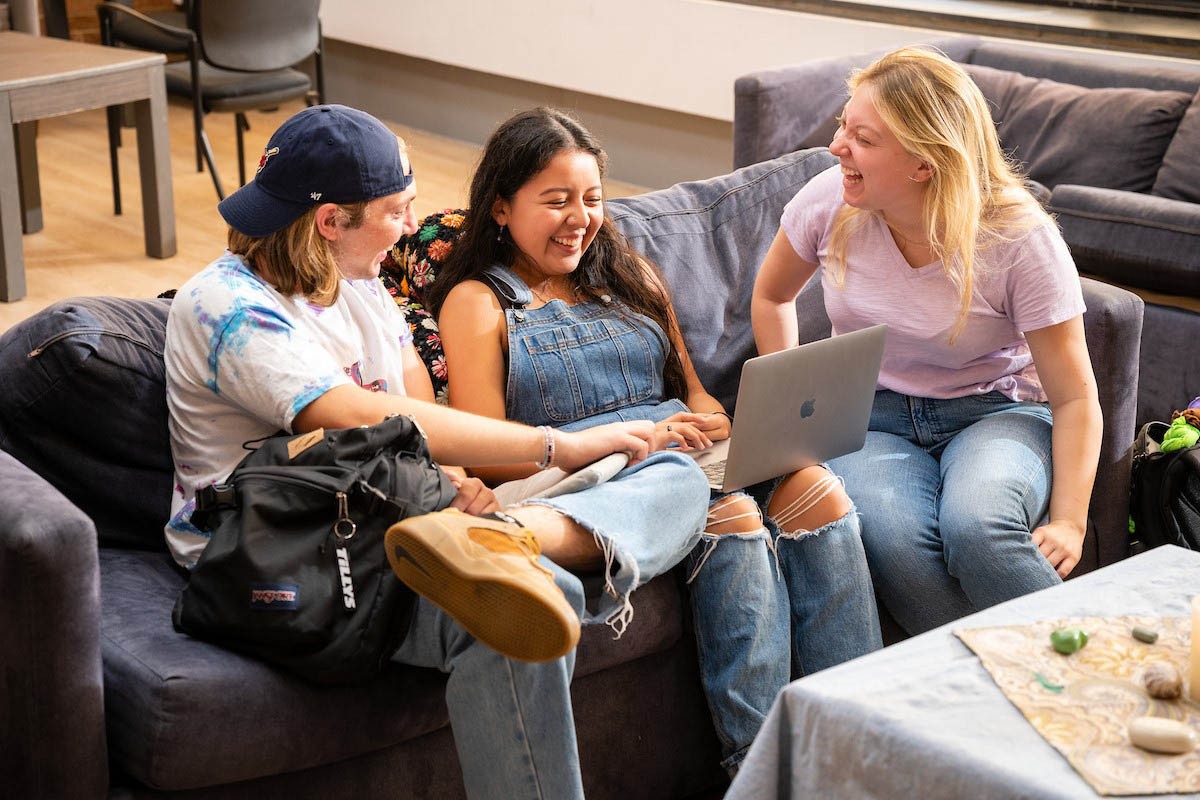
[{"x": 923, "y": 718}]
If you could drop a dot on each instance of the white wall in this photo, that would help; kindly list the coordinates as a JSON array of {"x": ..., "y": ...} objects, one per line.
[
  {"x": 652, "y": 78},
  {"x": 678, "y": 55}
]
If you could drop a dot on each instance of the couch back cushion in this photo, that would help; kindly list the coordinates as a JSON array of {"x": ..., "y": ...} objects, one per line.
[
  {"x": 84, "y": 405},
  {"x": 1179, "y": 176},
  {"x": 1113, "y": 138},
  {"x": 1094, "y": 69},
  {"x": 709, "y": 238}
]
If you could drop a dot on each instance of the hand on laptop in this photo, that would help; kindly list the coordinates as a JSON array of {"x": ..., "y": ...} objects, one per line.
[
  {"x": 717, "y": 425},
  {"x": 691, "y": 431}
]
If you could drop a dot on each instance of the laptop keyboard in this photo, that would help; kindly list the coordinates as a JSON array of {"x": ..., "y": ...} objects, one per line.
[{"x": 715, "y": 472}]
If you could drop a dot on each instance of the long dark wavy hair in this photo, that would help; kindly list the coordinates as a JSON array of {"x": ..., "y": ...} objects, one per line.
[{"x": 516, "y": 152}]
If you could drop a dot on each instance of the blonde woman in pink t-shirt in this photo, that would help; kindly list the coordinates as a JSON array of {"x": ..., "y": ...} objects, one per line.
[{"x": 974, "y": 482}]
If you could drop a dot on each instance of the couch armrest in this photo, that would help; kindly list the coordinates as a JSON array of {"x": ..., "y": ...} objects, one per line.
[
  {"x": 51, "y": 684},
  {"x": 776, "y": 111},
  {"x": 1134, "y": 239},
  {"x": 1113, "y": 326}
]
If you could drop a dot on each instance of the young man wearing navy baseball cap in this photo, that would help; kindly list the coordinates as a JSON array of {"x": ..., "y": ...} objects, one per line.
[{"x": 290, "y": 329}]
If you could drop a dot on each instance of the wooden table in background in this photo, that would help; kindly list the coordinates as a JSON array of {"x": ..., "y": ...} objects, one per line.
[{"x": 46, "y": 77}]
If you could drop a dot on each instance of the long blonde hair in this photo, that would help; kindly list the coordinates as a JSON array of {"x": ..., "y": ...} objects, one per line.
[
  {"x": 298, "y": 259},
  {"x": 976, "y": 195}
]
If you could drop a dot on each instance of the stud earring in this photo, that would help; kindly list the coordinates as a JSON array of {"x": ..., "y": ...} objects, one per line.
[{"x": 500, "y": 235}]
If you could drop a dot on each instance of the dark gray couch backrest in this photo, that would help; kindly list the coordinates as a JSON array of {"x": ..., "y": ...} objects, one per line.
[
  {"x": 1093, "y": 70},
  {"x": 84, "y": 405},
  {"x": 1086, "y": 119},
  {"x": 1115, "y": 136}
]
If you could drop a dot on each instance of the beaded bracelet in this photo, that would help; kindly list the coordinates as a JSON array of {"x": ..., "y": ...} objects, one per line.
[{"x": 548, "y": 436}]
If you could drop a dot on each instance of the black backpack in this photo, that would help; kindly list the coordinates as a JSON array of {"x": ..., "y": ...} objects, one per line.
[
  {"x": 1164, "y": 504},
  {"x": 295, "y": 572}
]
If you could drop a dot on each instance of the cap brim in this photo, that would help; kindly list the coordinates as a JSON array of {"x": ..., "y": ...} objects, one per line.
[{"x": 254, "y": 212}]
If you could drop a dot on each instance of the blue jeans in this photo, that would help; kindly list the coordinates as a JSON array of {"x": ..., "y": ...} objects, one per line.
[
  {"x": 575, "y": 366},
  {"x": 645, "y": 520},
  {"x": 512, "y": 721},
  {"x": 949, "y": 492},
  {"x": 761, "y": 622}
]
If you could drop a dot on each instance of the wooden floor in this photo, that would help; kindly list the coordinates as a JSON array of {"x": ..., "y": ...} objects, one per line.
[{"x": 84, "y": 249}]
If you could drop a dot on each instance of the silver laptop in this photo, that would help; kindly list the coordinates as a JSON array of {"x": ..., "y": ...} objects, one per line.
[{"x": 797, "y": 408}]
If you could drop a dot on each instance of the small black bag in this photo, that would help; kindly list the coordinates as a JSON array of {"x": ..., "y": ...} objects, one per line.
[
  {"x": 295, "y": 572},
  {"x": 1164, "y": 503}
]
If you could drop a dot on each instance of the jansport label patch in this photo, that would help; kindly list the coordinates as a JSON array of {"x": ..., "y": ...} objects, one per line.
[{"x": 274, "y": 596}]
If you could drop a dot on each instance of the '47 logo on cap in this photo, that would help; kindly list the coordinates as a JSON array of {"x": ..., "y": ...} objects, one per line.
[{"x": 262, "y": 162}]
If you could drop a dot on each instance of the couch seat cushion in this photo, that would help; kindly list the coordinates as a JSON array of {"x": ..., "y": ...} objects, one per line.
[
  {"x": 1111, "y": 138},
  {"x": 1133, "y": 239},
  {"x": 183, "y": 713}
]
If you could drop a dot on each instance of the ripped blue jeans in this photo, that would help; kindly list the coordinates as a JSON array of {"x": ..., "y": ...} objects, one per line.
[
  {"x": 771, "y": 606},
  {"x": 645, "y": 520}
]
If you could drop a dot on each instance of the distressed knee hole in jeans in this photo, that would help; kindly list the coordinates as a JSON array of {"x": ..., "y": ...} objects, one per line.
[
  {"x": 620, "y": 617},
  {"x": 723, "y": 510},
  {"x": 793, "y": 511},
  {"x": 787, "y": 516}
]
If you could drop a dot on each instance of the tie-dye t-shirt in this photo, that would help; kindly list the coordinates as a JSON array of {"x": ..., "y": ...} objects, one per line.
[{"x": 243, "y": 359}]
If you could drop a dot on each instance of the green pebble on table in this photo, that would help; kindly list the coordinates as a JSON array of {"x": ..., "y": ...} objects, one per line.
[
  {"x": 1068, "y": 640},
  {"x": 1144, "y": 634}
]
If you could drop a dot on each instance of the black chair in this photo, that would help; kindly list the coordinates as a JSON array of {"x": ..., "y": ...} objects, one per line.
[{"x": 239, "y": 55}]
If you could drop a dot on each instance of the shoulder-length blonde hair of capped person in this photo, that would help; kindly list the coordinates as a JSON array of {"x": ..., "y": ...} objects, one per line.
[
  {"x": 976, "y": 194},
  {"x": 297, "y": 259}
]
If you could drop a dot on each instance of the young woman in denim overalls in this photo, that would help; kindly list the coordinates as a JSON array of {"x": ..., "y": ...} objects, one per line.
[{"x": 549, "y": 318}]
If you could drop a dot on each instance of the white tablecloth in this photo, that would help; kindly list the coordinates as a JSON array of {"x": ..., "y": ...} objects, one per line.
[{"x": 922, "y": 719}]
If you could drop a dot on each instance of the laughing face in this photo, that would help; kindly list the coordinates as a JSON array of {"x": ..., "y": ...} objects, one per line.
[
  {"x": 360, "y": 251},
  {"x": 878, "y": 174},
  {"x": 554, "y": 217}
]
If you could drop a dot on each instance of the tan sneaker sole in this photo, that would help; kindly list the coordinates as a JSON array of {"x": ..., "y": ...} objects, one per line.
[{"x": 502, "y": 599}]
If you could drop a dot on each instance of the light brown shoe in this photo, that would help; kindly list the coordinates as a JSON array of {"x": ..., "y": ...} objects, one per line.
[{"x": 484, "y": 573}]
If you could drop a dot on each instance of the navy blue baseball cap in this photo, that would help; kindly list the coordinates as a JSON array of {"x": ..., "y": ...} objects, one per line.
[{"x": 324, "y": 154}]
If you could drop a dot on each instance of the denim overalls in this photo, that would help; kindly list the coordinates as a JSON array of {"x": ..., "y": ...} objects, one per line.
[
  {"x": 577, "y": 366},
  {"x": 573, "y": 367}
]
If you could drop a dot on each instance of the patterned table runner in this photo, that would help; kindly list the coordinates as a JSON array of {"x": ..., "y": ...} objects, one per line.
[{"x": 1082, "y": 703}]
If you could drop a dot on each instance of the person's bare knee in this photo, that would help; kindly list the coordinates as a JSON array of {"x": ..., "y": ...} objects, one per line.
[
  {"x": 733, "y": 514},
  {"x": 562, "y": 540},
  {"x": 808, "y": 499}
]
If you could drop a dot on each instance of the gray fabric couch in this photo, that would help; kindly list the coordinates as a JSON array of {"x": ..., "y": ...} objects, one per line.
[
  {"x": 1114, "y": 138},
  {"x": 99, "y": 696}
]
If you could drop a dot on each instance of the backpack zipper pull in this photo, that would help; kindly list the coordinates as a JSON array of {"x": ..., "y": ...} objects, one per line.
[{"x": 344, "y": 527}]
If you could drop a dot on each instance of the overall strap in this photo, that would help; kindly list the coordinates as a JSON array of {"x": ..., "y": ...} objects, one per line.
[{"x": 508, "y": 287}]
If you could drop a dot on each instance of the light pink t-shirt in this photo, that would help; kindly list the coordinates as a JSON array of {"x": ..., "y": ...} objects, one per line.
[{"x": 1020, "y": 285}]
